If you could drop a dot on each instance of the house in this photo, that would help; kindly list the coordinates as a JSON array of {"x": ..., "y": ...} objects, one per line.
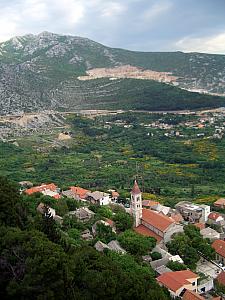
[
  {"x": 220, "y": 203},
  {"x": 200, "y": 225},
  {"x": 191, "y": 295},
  {"x": 156, "y": 264},
  {"x": 69, "y": 194},
  {"x": 219, "y": 247},
  {"x": 111, "y": 223},
  {"x": 46, "y": 189},
  {"x": 176, "y": 258},
  {"x": 50, "y": 193},
  {"x": 205, "y": 285},
  {"x": 99, "y": 198},
  {"x": 151, "y": 204},
  {"x": 80, "y": 193},
  {"x": 115, "y": 246},
  {"x": 162, "y": 209},
  {"x": 151, "y": 223},
  {"x": 58, "y": 219},
  {"x": 215, "y": 219},
  {"x": 162, "y": 269},
  {"x": 193, "y": 213},
  {"x": 42, "y": 208},
  {"x": 155, "y": 205},
  {"x": 221, "y": 278},
  {"x": 176, "y": 216},
  {"x": 94, "y": 227},
  {"x": 25, "y": 184},
  {"x": 210, "y": 234},
  {"x": 178, "y": 282},
  {"x": 115, "y": 195},
  {"x": 83, "y": 214},
  {"x": 100, "y": 246},
  {"x": 86, "y": 235}
]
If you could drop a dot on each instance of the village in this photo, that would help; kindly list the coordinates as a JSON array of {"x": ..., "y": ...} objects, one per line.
[
  {"x": 166, "y": 226},
  {"x": 203, "y": 124}
]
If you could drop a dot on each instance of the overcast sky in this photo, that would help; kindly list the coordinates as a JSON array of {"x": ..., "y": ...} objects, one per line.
[{"x": 147, "y": 25}]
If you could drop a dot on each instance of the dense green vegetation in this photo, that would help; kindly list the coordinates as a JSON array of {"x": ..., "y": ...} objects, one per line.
[
  {"x": 141, "y": 95},
  {"x": 106, "y": 155},
  {"x": 41, "y": 260},
  {"x": 190, "y": 245},
  {"x": 136, "y": 244}
]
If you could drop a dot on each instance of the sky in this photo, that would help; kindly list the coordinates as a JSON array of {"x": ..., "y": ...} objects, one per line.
[{"x": 143, "y": 25}]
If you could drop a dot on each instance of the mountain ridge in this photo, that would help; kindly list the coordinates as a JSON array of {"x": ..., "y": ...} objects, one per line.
[{"x": 42, "y": 72}]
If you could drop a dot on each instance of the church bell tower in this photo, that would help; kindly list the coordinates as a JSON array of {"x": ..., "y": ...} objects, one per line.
[{"x": 136, "y": 204}]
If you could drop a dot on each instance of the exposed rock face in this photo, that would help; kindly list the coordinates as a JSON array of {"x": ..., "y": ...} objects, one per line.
[
  {"x": 63, "y": 136},
  {"x": 128, "y": 71},
  {"x": 42, "y": 72},
  {"x": 27, "y": 124}
]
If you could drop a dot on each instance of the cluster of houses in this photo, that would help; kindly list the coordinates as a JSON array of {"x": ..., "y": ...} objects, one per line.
[
  {"x": 202, "y": 121},
  {"x": 153, "y": 219},
  {"x": 74, "y": 192},
  {"x": 161, "y": 222}
]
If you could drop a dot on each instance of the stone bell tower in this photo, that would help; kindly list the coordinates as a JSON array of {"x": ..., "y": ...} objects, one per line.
[{"x": 136, "y": 204}]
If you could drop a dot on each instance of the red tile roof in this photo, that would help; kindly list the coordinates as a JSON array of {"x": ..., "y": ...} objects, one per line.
[
  {"x": 110, "y": 222},
  {"x": 149, "y": 203},
  {"x": 176, "y": 280},
  {"x": 214, "y": 216},
  {"x": 219, "y": 247},
  {"x": 36, "y": 189},
  {"x": 219, "y": 202},
  {"x": 80, "y": 192},
  {"x": 141, "y": 229},
  {"x": 115, "y": 194},
  {"x": 191, "y": 295},
  {"x": 158, "y": 221},
  {"x": 200, "y": 225},
  {"x": 135, "y": 189},
  {"x": 177, "y": 217},
  {"x": 221, "y": 278}
]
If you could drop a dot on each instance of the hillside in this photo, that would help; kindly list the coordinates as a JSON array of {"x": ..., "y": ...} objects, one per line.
[{"x": 45, "y": 72}]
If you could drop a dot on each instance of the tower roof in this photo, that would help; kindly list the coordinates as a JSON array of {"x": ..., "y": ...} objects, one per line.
[{"x": 135, "y": 189}]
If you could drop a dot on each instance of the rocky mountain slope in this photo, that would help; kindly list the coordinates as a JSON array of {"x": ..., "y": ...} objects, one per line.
[{"x": 50, "y": 71}]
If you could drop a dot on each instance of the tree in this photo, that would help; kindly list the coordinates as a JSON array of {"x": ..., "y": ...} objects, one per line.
[
  {"x": 72, "y": 204},
  {"x": 189, "y": 245},
  {"x": 12, "y": 210},
  {"x": 123, "y": 221},
  {"x": 72, "y": 222},
  {"x": 74, "y": 233},
  {"x": 105, "y": 211},
  {"x": 31, "y": 267},
  {"x": 156, "y": 255},
  {"x": 135, "y": 243},
  {"x": 103, "y": 276},
  {"x": 181, "y": 245},
  {"x": 48, "y": 225},
  {"x": 176, "y": 266},
  {"x": 105, "y": 233}
]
